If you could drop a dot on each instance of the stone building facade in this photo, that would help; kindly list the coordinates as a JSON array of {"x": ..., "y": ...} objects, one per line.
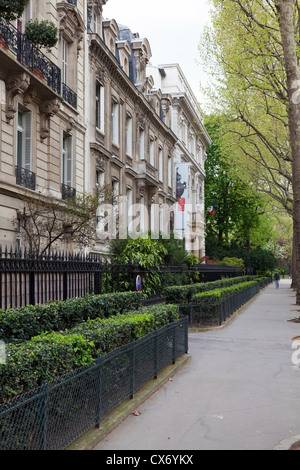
[
  {"x": 91, "y": 117},
  {"x": 186, "y": 121}
]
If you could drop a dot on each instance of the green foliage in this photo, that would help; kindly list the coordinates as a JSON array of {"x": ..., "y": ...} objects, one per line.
[
  {"x": 21, "y": 324},
  {"x": 12, "y": 9},
  {"x": 145, "y": 251},
  {"x": 240, "y": 211},
  {"x": 41, "y": 33},
  {"x": 49, "y": 355},
  {"x": 184, "y": 294},
  {"x": 206, "y": 305},
  {"x": 261, "y": 260},
  {"x": 227, "y": 261},
  {"x": 149, "y": 254}
]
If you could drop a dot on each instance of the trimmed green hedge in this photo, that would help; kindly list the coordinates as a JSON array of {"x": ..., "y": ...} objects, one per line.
[
  {"x": 205, "y": 306},
  {"x": 21, "y": 324},
  {"x": 213, "y": 297},
  {"x": 184, "y": 294},
  {"x": 50, "y": 355}
]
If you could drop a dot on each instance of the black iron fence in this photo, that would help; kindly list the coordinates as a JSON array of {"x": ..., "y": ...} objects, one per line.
[
  {"x": 34, "y": 278},
  {"x": 216, "y": 313},
  {"x": 29, "y": 56},
  {"x": 58, "y": 413}
]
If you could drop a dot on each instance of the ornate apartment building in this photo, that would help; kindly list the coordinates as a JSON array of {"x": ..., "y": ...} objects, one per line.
[
  {"x": 83, "y": 115},
  {"x": 186, "y": 121}
]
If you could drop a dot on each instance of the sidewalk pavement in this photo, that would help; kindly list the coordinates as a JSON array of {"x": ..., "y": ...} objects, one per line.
[{"x": 239, "y": 390}]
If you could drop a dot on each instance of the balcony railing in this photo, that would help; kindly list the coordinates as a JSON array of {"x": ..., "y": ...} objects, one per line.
[
  {"x": 25, "y": 177},
  {"x": 29, "y": 56},
  {"x": 69, "y": 96},
  {"x": 67, "y": 192}
]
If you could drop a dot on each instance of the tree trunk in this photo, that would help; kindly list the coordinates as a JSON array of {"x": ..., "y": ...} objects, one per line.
[{"x": 286, "y": 23}]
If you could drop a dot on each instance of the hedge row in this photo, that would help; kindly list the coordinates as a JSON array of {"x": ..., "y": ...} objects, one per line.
[
  {"x": 204, "y": 307},
  {"x": 211, "y": 298},
  {"x": 50, "y": 355},
  {"x": 21, "y": 324},
  {"x": 184, "y": 294}
]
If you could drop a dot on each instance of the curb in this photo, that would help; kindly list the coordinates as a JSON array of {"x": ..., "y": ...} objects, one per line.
[{"x": 90, "y": 439}]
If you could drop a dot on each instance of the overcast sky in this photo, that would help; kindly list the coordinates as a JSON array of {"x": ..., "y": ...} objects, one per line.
[{"x": 172, "y": 27}]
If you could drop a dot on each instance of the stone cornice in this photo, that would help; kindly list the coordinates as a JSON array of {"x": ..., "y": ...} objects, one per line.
[{"x": 100, "y": 54}]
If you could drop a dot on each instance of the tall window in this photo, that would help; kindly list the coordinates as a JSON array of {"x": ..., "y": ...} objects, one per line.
[
  {"x": 170, "y": 171},
  {"x": 24, "y": 140},
  {"x": 160, "y": 164},
  {"x": 26, "y": 16},
  {"x": 151, "y": 157},
  {"x": 99, "y": 106},
  {"x": 129, "y": 135},
  {"x": 115, "y": 121},
  {"x": 67, "y": 161},
  {"x": 142, "y": 144},
  {"x": 64, "y": 69},
  {"x": 129, "y": 208}
]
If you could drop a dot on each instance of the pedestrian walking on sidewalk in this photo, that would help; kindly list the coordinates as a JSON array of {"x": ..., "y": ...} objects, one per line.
[{"x": 276, "y": 277}]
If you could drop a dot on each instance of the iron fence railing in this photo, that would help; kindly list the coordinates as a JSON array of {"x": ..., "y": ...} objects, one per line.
[
  {"x": 69, "y": 95},
  {"x": 216, "y": 313},
  {"x": 35, "y": 278},
  {"x": 25, "y": 177},
  {"x": 58, "y": 413},
  {"x": 29, "y": 56}
]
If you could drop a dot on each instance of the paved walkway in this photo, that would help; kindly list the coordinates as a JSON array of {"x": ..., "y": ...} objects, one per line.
[{"x": 239, "y": 391}]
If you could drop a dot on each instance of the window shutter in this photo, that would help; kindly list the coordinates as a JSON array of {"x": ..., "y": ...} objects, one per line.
[{"x": 28, "y": 140}]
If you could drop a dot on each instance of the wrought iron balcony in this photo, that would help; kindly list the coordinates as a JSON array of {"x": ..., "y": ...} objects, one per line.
[
  {"x": 29, "y": 56},
  {"x": 69, "y": 96},
  {"x": 25, "y": 178},
  {"x": 67, "y": 192}
]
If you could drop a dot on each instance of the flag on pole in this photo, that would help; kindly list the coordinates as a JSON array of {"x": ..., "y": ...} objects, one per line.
[{"x": 212, "y": 209}]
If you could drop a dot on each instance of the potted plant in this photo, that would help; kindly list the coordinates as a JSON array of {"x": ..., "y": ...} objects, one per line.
[
  {"x": 11, "y": 9},
  {"x": 41, "y": 34}
]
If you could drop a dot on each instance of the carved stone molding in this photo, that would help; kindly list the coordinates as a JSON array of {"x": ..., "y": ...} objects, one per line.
[
  {"x": 48, "y": 109},
  {"x": 71, "y": 24},
  {"x": 71, "y": 124},
  {"x": 152, "y": 193},
  {"x": 140, "y": 190},
  {"x": 29, "y": 96},
  {"x": 17, "y": 85},
  {"x": 101, "y": 156}
]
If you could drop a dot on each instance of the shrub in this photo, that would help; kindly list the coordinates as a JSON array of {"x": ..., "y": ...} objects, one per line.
[
  {"x": 50, "y": 355},
  {"x": 184, "y": 294},
  {"x": 20, "y": 324},
  {"x": 207, "y": 304},
  {"x": 41, "y": 33},
  {"x": 227, "y": 261}
]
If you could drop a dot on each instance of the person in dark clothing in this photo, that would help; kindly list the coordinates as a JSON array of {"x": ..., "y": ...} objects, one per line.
[{"x": 276, "y": 277}]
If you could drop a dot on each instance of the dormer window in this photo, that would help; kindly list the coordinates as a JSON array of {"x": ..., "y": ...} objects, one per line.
[{"x": 111, "y": 32}]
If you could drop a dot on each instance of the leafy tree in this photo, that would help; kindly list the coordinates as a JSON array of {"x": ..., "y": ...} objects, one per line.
[
  {"x": 239, "y": 210},
  {"x": 288, "y": 17},
  {"x": 243, "y": 49}
]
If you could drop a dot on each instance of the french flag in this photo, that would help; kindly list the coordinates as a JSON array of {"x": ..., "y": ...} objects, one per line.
[{"x": 212, "y": 209}]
